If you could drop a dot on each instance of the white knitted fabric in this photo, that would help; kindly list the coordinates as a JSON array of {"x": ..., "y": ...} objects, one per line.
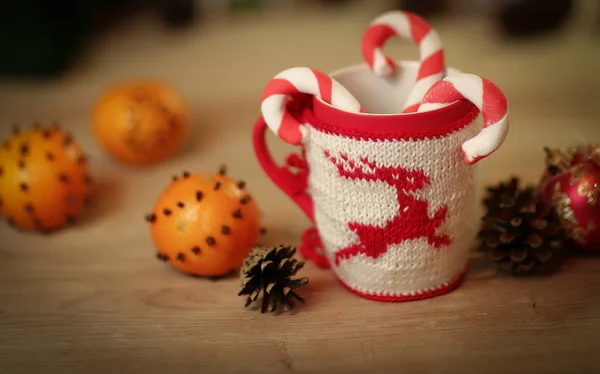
[{"x": 409, "y": 267}]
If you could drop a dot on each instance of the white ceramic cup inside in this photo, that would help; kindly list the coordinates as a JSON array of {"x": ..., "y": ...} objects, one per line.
[{"x": 381, "y": 95}]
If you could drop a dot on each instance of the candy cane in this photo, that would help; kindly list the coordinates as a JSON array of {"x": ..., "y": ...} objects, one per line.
[
  {"x": 409, "y": 26},
  {"x": 486, "y": 96},
  {"x": 300, "y": 80}
]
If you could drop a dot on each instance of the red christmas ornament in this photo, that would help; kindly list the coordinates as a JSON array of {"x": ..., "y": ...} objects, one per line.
[{"x": 571, "y": 185}]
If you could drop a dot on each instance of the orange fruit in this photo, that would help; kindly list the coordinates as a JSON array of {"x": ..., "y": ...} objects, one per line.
[
  {"x": 141, "y": 122},
  {"x": 205, "y": 224},
  {"x": 44, "y": 180}
]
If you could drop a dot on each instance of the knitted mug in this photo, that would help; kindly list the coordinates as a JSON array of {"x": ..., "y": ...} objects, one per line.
[{"x": 391, "y": 197}]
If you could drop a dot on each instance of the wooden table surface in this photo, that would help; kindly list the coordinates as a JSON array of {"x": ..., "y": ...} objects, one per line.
[{"x": 93, "y": 298}]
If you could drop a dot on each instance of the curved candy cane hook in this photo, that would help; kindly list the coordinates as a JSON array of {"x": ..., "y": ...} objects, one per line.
[
  {"x": 408, "y": 26},
  {"x": 300, "y": 80},
  {"x": 487, "y": 97}
]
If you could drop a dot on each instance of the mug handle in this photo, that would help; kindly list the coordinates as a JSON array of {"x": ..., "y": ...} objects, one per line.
[{"x": 293, "y": 184}]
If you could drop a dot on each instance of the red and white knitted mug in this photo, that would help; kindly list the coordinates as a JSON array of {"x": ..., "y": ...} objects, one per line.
[{"x": 391, "y": 194}]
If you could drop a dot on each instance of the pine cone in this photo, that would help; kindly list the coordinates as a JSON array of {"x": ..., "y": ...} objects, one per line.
[
  {"x": 490, "y": 201},
  {"x": 268, "y": 271},
  {"x": 519, "y": 233}
]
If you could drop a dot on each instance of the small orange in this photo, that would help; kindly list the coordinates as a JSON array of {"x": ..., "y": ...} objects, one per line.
[
  {"x": 205, "y": 224},
  {"x": 141, "y": 122},
  {"x": 44, "y": 180}
]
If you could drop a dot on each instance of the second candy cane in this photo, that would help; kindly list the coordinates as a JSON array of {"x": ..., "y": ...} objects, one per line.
[{"x": 409, "y": 26}]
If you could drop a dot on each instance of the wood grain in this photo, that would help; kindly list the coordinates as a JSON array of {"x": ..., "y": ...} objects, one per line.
[{"x": 93, "y": 299}]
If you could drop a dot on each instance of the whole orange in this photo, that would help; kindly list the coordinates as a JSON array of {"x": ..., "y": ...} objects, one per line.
[
  {"x": 205, "y": 224},
  {"x": 44, "y": 180},
  {"x": 141, "y": 122}
]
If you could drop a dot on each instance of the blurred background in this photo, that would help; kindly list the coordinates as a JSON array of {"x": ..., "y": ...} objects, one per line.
[
  {"x": 58, "y": 57},
  {"x": 41, "y": 39}
]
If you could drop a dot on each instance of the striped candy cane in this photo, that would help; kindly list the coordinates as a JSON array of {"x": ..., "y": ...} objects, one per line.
[
  {"x": 486, "y": 96},
  {"x": 300, "y": 80},
  {"x": 409, "y": 26}
]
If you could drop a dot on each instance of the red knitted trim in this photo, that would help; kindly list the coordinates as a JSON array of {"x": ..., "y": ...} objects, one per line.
[
  {"x": 412, "y": 126},
  {"x": 423, "y": 295},
  {"x": 311, "y": 248}
]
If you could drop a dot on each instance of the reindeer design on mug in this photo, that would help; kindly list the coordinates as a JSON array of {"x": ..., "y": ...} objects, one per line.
[{"x": 412, "y": 220}]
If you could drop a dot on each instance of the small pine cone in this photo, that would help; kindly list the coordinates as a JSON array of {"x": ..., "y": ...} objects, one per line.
[
  {"x": 519, "y": 233},
  {"x": 268, "y": 272}
]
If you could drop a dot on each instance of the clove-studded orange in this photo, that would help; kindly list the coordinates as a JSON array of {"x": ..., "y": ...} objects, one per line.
[
  {"x": 44, "y": 178},
  {"x": 205, "y": 224},
  {"x": 141, "y": 122}
]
